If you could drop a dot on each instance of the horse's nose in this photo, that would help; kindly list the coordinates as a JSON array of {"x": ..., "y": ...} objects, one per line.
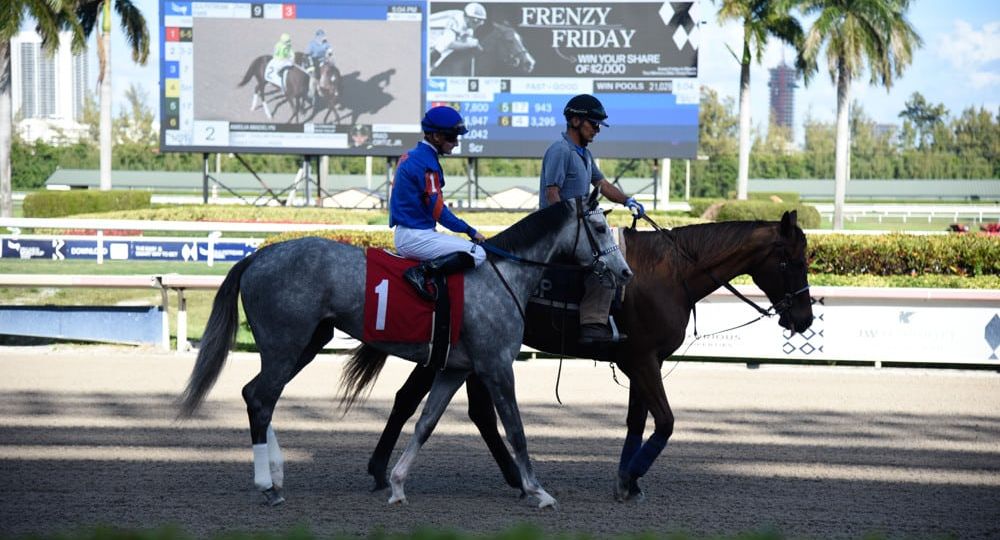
[{"x": 627, "y": 273}]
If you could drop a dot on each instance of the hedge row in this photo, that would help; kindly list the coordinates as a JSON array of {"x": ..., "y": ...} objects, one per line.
[
  {"x": 838, "y": 254},
  {"x": 49, "y": 204},
  {"x": 808, "y": 216},
  {"x": 905, "y": 254}
]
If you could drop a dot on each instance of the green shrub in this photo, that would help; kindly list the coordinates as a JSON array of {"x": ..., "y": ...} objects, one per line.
[
  {"x": 905, "y": 254},
  {"x": 699, "y": 205},
  {"x": 47, "y": 204},
  {"x": 808, "y": 216}
]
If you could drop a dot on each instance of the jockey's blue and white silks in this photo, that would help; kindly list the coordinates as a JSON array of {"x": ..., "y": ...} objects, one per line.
[{"x": 417, "y": 201}]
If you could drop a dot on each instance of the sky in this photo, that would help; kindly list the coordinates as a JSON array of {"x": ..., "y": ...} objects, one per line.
[{"x": 958, "y": 65}]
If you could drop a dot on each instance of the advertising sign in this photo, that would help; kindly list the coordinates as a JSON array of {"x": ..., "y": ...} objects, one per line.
[
  {"x": 353, "y": 77},
  {"x": 305, "y": 77},
  {"x": 510, "y": 68},
  {"x": 118, "y": 248}
]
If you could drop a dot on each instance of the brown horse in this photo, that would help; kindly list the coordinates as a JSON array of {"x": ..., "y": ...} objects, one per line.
[
  {"x": 296, "y": 85},
  {"x": 328, "y": 91},
  {"x": 673, "y": 270}
]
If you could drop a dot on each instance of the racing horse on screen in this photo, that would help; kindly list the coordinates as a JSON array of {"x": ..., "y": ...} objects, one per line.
[
  {"x": 673, "y": 271},
  {"x": 294, "y": 87},
  {"x": 295, "y": 293},
  {"x": 501, "y": 52}
]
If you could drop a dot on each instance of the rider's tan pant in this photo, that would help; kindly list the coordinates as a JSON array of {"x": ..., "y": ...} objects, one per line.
[{"x": 596, "y": 302}]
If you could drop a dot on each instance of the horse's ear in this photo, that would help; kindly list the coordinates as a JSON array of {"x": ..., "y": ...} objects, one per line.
[
  {"x": 592, "y": 200},
  {"x": 788, "y": 223},
  {"x": 608, "y": 211}
]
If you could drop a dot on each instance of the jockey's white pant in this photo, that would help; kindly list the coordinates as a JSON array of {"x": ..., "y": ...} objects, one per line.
[{"x": 426, "y": 244}]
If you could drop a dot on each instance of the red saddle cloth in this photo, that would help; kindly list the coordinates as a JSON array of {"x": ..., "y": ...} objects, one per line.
[{"x": 394, "y": 311}]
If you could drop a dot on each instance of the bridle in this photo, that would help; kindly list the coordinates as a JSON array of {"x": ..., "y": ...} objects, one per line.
[
  {"x": 778, "y": 308},
  {"x": 598, "y": 266}
]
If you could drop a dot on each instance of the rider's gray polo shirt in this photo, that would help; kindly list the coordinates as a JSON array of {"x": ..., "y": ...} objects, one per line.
[{"x": 565, "y": 167}]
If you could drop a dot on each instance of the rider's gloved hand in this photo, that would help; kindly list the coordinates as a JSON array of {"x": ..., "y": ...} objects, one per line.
[{"x": 635, "y": 207}]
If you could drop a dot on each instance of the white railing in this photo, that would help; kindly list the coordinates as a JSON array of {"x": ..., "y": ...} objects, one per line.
[{"x": 851, "y": 323}]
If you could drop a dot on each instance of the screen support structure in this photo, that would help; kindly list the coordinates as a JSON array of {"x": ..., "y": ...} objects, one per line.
[
  {"x": 471, "y": 184},
  {"x": 206, "y": 177}
]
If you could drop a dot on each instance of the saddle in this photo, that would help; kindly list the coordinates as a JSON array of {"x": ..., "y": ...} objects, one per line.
[
  {"x": 552, "y": 315},
  {"x": 395, "y": 313}
]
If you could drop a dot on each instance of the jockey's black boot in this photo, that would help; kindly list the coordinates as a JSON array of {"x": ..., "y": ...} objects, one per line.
[{"x": 420, "y": 275}]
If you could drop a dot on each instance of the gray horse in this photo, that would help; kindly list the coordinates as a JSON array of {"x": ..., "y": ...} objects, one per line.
[{"x": 296, "y": 292}]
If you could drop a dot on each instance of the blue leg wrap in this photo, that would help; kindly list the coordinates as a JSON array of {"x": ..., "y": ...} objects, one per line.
[
  {"x": 646, "y": 455},
  {"x": 632, "y": 443}
]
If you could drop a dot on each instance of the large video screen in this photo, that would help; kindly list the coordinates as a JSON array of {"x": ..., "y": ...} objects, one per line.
[
  {"x": 353, "y": 77},
  {"x": 306, "y": 77},
  {"x": 512, "y": 71}
]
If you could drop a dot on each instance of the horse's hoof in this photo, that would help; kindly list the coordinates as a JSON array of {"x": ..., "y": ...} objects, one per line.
[
  {"x": 398, "y": 500},
  {"x": 627, "y": 489},
  {"x": 380, "y": 484},
  {"x": 548, "y": 502},
  {"x": 272, "y": 497}
]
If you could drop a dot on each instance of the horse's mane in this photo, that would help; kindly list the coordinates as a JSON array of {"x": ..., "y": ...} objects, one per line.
[
  {"x": 528, "y": 229},
  {"x": 704, "y": 244}
]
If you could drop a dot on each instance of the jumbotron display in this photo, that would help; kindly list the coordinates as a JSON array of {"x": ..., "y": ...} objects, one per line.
[
  {"x": 353, "y": 77},
  {"x": 306, "y": 77}
]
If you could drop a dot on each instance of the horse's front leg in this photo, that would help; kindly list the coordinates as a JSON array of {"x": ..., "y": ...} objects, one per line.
[
  {"x": 483, "y": 415},
  {"x": 635, "y": 424},
  {"x": 407, "y": 398},
  {"x": 501, "y": 387},
  {"x": 645, "y": 378},
  {"x": 446, "y": 383}
]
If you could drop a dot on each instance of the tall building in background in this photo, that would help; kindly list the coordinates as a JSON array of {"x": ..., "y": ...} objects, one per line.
[
  {"x": 783, "y": 84},
  {"x": 47, "y": 90}
]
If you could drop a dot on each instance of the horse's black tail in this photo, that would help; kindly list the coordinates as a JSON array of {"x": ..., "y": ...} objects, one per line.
[
  {"x": 250, "y": 72},
  {"x": 359, "y": 372},
  {"x": 220, "y": 334}
]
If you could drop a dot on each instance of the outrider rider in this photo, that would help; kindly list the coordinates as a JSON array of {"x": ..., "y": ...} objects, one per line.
[
  {"x": 416, "y": 206},
  {"x": 568, "y": 171}
]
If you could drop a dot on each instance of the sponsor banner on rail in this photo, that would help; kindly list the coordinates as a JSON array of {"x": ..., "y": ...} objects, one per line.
[
  {"x": 854, "y": 329},
  {"x": 126, "y": 249}
]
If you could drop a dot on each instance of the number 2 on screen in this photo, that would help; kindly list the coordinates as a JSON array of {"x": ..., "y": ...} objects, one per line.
[{"x": 382, "y": 290}]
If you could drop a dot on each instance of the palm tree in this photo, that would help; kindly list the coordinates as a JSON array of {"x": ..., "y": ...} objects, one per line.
[
  {"x": 856, "y": 33},
  {"x": 761, "y": 19},
  {"x": 51, "y": 17},
  {"x": 137, "y": 35}
]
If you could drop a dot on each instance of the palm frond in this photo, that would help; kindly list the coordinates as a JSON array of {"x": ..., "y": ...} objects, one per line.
[{"x": 136, "y": 32}]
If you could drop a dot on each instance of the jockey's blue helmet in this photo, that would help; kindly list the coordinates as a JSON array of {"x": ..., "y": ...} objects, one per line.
[
  {"x": 320, "y": 33},
  {"x": 443, "y": 119}
]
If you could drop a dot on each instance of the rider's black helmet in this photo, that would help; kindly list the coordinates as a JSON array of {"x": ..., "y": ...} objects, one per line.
[{"x": 587, "y": 106}]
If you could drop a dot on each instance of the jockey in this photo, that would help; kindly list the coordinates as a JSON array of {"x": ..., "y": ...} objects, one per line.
[
  {"x": 457, "y": 30},
  {"x": 283, "y": 49},
  {"x": 416, "y": 205},
  {"x": 281, "y": 59},
  {"x": 319, "y": 50}
]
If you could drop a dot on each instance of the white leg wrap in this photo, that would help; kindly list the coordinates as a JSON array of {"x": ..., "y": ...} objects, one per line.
[
  {"x": 261, "y": 469},
  {"x": 253, "y": 106},
  {"x": 275, "y": 458}
]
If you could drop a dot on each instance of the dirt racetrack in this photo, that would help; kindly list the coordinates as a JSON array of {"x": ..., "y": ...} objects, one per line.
[{"x": 88, "y": 436}]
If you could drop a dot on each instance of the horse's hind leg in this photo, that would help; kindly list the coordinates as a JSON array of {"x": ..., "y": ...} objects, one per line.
[
  {"x": 407, "y": 399},
  {"x": 446, "y": 383},
  {"x": 483, "y": 415},
  {"x": 501, "y": 387},
  {"x": 261, "y": 395}
]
